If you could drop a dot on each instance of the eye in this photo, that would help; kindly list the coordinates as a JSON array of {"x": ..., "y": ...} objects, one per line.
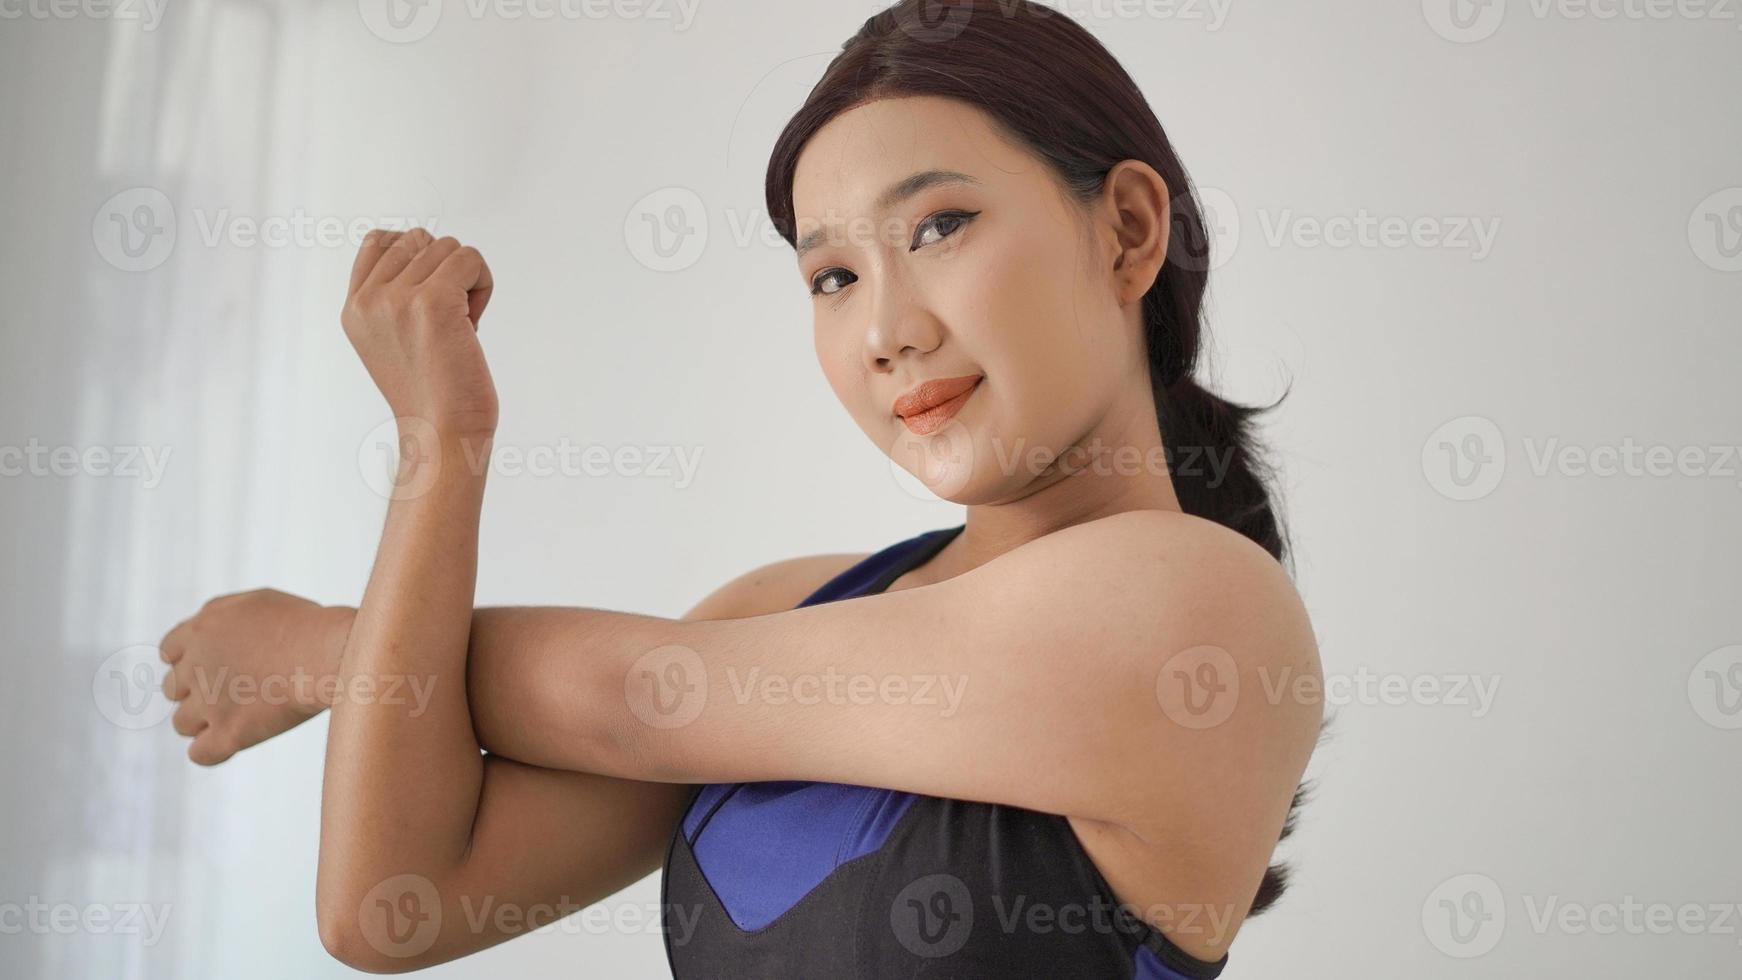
[
  {"x": 931, "y": 231},
  {"x": 937, "y": 222},
  {"x": 828, "y": 275}
]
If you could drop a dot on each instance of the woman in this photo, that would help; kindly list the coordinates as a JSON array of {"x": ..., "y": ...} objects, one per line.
[{"x": 1019, "y": 750}]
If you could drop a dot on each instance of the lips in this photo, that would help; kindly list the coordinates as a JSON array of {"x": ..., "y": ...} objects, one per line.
[{"x": 930, "y": 404}]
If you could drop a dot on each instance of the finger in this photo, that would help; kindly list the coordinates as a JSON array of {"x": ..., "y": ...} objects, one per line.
[
  {"x": 374, "y": 246},
  {"x": 188, "y": 719},
  {"x": 209, "y": 748},
  {"x": 174, "y": 643},
  {"x": 466, "y": 269},
  {"x": 478, "y": 296},
  {"x": 428, "y": 261},
  {"x": 173, "y": 688},
  {"x": 397, "y": 257}
]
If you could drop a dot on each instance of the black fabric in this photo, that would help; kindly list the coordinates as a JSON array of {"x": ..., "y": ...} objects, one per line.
[{"x": 958, "y": 889}]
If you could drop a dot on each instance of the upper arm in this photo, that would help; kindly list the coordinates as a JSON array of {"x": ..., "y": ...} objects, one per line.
[
  {"x": 1050, "y": 678},
  {"x": 773, "y": 587}
]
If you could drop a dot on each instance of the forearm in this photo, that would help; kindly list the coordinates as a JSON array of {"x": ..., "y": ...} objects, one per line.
[
  {"x": 548, "y": 684},
  {"x": 403, "y": 775},
  {"x": 518, "y": 658}
]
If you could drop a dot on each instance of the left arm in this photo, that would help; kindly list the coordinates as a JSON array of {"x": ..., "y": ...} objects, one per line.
[
  {"x": 401, "y": 787},
  {"x": 1147, "y": 640}
]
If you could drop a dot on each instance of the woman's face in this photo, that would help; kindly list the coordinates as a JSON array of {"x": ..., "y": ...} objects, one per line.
[{"x": 986, "y": 269}]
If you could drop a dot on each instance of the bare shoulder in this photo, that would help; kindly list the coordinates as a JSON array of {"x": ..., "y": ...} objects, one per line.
[
  {"x": 1158, "y": 586},
  {"x": 1195, "y": 560},
  {"x": 1227, "y": 583},
  {"x": 774, "y": 587}
]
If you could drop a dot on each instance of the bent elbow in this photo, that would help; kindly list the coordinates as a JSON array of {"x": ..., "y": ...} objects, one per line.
[{"x": 378, "y": 945}]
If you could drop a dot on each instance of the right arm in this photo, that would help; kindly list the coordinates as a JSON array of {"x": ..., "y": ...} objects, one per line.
[{"x": 545, "y": 837}]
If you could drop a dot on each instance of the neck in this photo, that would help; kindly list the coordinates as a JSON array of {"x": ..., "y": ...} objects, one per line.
[{"x": 1117, "y": 466}]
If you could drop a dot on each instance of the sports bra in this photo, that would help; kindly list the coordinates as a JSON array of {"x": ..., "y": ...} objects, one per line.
[{"x": 828, "y": 881}]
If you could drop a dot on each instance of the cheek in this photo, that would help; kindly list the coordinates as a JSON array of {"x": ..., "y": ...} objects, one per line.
[
  {"x": 836, "y": 363},
  {"x": 839, "y": 357},
  {"x": 1030, "y": 330}
]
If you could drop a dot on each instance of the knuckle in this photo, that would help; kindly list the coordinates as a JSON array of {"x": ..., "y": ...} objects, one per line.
[
  {"x": 425, "y": 302},
  {"x": 375, "y": 303}
]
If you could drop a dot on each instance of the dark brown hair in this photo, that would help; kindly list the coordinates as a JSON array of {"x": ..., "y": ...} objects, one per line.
[{"x": 1054, "y": 89}]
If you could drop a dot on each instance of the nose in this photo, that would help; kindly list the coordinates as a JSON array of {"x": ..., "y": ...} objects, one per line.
[{"x": 899, "y": 323}]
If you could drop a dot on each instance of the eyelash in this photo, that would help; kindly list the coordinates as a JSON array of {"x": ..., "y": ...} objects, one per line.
[{"x": 965, "y": 216}]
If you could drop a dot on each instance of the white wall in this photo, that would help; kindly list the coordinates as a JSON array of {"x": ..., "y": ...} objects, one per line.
[{"x": 1604, "y": 310}]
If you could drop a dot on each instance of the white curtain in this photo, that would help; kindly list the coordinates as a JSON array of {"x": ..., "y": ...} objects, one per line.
[{"x": 178, "y": 356}]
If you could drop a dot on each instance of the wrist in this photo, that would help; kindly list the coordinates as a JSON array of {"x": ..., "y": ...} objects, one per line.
[
  {"x": 334, "y": 631},
  {"x": 430, "y": 454}
]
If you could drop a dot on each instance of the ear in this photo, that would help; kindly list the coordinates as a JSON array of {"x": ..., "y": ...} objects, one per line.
[{"x": 1139, "y": 207}]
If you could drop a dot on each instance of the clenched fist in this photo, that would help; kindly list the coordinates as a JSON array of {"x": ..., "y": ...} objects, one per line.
[
  {"x": 250, "y": 665},
  {"x": 412, "y": 314}
]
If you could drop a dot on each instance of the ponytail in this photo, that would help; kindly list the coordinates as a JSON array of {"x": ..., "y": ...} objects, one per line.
[{"x": 1218, "y": 472}]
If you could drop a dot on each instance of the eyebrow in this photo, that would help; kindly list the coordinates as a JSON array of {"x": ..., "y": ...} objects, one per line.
[{"x": 897, "y": 192}]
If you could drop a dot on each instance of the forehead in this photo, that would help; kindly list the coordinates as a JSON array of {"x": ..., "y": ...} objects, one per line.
[{"x": 860, "y": 153}]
